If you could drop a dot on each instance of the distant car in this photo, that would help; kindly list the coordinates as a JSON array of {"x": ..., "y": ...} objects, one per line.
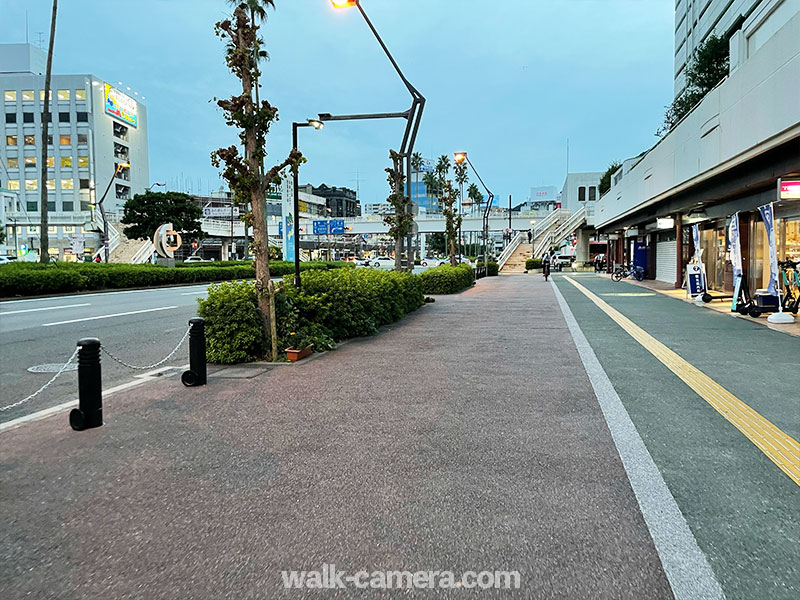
[
  {"x": 432, "y": 261},
  {"x": 6, "y": 260},
  {"x": 563, "y": 260},
  {"x": 193, "y": 259},
  {"x": 382, "y": 261}
]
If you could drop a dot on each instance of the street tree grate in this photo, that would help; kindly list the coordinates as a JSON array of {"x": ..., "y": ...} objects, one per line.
[{"x": 52, "y": 368}]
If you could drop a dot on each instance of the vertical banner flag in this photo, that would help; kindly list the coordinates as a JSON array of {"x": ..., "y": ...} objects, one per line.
[
  {"x": 736, "y": 245},
  {"x": 287, "y": 207},
  {"x": 288, "y": 253},
  {"x": 768, "y": 216},
  {"x": 698, "y": 252}
]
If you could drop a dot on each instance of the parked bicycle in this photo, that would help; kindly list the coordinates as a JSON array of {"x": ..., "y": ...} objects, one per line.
[{"x": 625, "y": 271}]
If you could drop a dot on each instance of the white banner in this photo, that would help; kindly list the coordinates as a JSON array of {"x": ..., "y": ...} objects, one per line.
[
  {"x": 221, "y": 211},
  {"x": 768, "y": 216},
  {"x": 736, "y": 246}
]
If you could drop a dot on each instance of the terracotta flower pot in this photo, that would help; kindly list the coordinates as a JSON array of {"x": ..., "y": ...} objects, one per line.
[{"x": 293, "y": 354}]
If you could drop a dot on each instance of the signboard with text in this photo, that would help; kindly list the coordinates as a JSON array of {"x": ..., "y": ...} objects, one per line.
[
  {"x": 121, "y": 106},
  {"x": 221, "y": 211},
  {"x": 337, "y": 226},
  {"x": 320, "y": 228},
  {"x": 790, "y": 189}
]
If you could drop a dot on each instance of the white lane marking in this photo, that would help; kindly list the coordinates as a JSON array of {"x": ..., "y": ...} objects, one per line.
[
  {"x": 94, "y": 294},
  {"x": 27, "y": 310},
  {"x": 54, "y": 410},
  {"x": 122, "y": 314},
  {"x": 689, "y": 574},
  {"x": 194, "y": 293}
]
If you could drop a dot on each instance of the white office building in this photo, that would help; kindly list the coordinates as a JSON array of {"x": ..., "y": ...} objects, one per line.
[{"x": 94, "y": 127}]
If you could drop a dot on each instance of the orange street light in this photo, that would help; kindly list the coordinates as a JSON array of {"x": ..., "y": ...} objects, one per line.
[
  {"x": 344, "y": 3},
  {"x": 460, "y": 157}
]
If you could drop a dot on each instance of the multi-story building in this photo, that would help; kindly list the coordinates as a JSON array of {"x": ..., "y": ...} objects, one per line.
[
  {"x": 94, "y": 127},
  {"x": 578, "y": 189},
  {"x": 697, "y": 20},
  {"x": 342, "y": 202},
  {"x": 379, "y": 208}
]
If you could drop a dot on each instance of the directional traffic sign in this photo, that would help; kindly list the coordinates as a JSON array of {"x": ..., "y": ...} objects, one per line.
[
  {"x": 320, "y": 228},
  {"x": 337, "y": 226}
]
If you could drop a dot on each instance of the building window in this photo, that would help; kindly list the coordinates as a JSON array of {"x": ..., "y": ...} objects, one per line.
[
  {"x": 120, "y": 151},
  {"x": 12, "y": 162},
  {"x": 83, "y": 162},
  {"x": 13, "y": 184},
  {"x": 31, "y": 207},
  {"x": 582, "y": 194},
  {"x": 41, "y": 95},
  {"x": 123, "y": 173},
  {"x": 67, "y": 207},
  {"x": 67, "y": 184},
  {"x": 83, "y": 184},
  {"x": 11, "y": 140},
  {"x": 27, "y": 95},
  {"x": 64, "y": 139},
  {"x": 10, "y": 95},
  {"x": 83, "y": 139},
  {"x": 51, "y": 184},
  {"x": 51, "y": 161},
  {"x": 31, "y": 185},
  {"x": 30, "y": 140},
  {"x": 82, "y": 117},
  {"x": 66, "y": 161},
  {"x": 63, "y": 117},
  {"x": 123, "y": 192},
  {"x": 69, "y": 228},
  {"x": 27, "y": 117},
  {"x": 52, "y": 228},
  {"x": 80, "y": 94},
  {"x": 11, "y": 118},
  {"x": 120, "y": 131},
  {"x": 592, "y": 194},
  {"x": 63, "y": 95},
  {"x": 30, "y": 161}
]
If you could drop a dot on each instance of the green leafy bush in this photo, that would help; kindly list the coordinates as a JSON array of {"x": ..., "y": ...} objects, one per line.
[
  {"x": 447, "y": 279},
  {"x": 234, "y": 326},
  {"x": 533, "y": 263},
  {"x": 492, "y": 269},
  {"x": 30, "y": 279},
  {"x": 314, "y": 333},
  {"x": 354, "y": 302}
]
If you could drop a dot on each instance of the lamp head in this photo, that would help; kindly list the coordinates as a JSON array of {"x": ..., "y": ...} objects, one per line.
[
  {"x": 460, "y": 157},
  {"x": 344, "y": 3},
  {"x": 123, "y": 165},
  {"x": 316, "y": 123}
]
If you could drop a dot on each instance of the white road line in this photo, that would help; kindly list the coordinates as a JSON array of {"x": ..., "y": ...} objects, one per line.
[
  {"x": 27, "y": 310},
  {"x": 685, "y": 565},
  {"x": 123, "y": 314},
  {"x": 99, "y": 293},
  {"x": 194, "y": 293}
]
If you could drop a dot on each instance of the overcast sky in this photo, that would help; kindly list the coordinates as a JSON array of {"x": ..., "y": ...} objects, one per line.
[{"x": 507, "y": 80}]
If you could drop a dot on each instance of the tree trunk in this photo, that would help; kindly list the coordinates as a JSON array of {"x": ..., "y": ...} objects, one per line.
[{"x": 44, "y": 244}]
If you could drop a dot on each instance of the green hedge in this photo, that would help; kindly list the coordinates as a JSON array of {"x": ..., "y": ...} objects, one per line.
[
  {"x": 31, "y": 279},
  {"x": 331, "y": 305},
  {"x": 447, "y": 279},
  {"x": 492, "y": 269},
  {"x": 533, "y": 263}
]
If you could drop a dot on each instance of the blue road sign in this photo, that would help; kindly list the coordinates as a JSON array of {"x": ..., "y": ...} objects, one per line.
[
  {"x": 337, "y": 226},
  {"x": 320, "y": 228}
]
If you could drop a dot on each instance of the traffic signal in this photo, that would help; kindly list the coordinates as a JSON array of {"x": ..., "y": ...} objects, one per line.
[{"x": 195, "y": 245}]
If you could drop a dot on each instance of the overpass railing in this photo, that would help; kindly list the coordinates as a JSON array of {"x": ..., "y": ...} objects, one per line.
[{"x": 509, "y": 250}]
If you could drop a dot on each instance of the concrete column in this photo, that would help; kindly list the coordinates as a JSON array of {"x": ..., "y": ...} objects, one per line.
[
  {"x": 582, "y": 249},
  {"x": 679, "y": 251}
]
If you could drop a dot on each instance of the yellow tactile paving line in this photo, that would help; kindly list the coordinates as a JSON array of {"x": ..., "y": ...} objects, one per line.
[{"x": 780, "y": 448}]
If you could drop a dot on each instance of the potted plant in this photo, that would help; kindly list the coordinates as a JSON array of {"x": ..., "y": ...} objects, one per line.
[{"x": 300, "y": 348}]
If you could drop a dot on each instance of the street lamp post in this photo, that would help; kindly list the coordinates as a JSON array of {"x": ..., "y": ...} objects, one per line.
[
  {"x": 122, "y": 165},
  {"x": 413, "y": 115},
  {"x": 461, "y": 157},
  {"x": 316, "y": 124}
]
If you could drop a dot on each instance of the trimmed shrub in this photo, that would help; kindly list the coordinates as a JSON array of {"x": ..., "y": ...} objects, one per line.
[
  {"x": 492, "y": 269},
  {"x": 234, "y": 327},
  {"x": 533, "y": 263},
  {"x": 447, "y": 279},
  {"x": 31, "y": 279}
]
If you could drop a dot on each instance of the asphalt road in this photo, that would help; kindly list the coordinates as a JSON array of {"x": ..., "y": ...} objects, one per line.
[{"x": 138, "y": 326}]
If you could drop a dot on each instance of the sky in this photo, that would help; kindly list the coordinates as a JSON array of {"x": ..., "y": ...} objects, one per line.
[{"x": 509, "y": 81}]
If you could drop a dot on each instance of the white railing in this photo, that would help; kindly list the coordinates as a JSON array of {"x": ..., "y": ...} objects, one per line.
[
  {"x": 143, "y": 254},
  {"x": 545, "y": 225},
  {"x": 509, "y": 250},
  {"x": 571, "y": 224},
  {"x": 113, "y": 241},
  {"x": 544, "y": 244}
]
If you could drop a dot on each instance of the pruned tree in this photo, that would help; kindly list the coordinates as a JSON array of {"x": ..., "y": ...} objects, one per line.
[
  {"x": 243, "y": 173},
  {"x": 452, "y": 220},
  {"x": 144, "y": 213},
  {"x": 400, "y": 222}
]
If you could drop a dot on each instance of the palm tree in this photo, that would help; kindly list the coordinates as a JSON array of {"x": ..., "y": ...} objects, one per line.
[
  {"x": 417, "y": 163},
  {"x": 44, "y": 246},
  {"x": 443, "y": 169},
  {"x": 474, "y": 194},
  {"x": 460, "y": 169},
  {"x": 431, "y": 184}
]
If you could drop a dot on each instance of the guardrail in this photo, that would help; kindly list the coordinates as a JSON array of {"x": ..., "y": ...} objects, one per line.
[{"x": 509, "y": 250}]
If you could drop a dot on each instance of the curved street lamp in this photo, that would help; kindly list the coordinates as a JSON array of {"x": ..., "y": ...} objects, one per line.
[
  {"x": 460, "y": 157},
  {"x": 122, "y": 165},
  {"x": 413, "y": 115},
  {"x": 316, "y": 124}
]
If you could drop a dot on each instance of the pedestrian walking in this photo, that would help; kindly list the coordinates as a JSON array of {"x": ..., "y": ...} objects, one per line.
[
  {"x": 546, "y": 260},
  {"x": 530, "y": 236}
]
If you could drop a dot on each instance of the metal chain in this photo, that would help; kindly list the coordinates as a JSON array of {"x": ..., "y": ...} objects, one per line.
[
  {"x": 45, "y": 386},
  {"x": 154, "y": 365}
]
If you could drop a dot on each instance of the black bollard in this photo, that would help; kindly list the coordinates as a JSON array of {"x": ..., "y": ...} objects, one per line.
[
  {"x": 90, "y": 387},
  {"x": 196, "y": 375}
]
